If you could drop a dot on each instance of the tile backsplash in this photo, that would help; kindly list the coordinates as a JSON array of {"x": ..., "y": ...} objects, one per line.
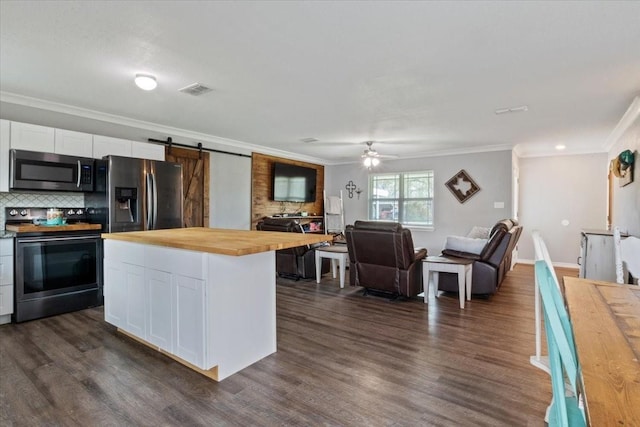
[{"x": 39, "y": 200}]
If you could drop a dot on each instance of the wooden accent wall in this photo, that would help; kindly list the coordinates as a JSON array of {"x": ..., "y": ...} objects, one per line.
[{"x": 261, "y": 180}]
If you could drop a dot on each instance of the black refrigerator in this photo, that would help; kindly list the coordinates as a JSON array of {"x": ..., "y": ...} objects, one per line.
[{"x": 136, "y": 194}]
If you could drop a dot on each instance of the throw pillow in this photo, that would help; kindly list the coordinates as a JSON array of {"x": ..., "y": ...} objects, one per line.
[
  {"x": 465, "y": 244},
  {"x": 479, "y": 232}
]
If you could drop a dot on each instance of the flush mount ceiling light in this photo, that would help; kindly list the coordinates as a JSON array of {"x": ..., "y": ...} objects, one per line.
[
  {"x": 146, "y": 81},
  {"x": 519, "y": 109},
  {"x": 560, "y": 147}
]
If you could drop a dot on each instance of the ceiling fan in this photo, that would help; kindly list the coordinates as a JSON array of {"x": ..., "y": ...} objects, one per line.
[{"x": 371, "y": 157}]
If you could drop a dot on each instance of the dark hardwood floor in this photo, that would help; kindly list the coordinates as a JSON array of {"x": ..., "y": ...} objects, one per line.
[{"x": 343, "y": 359}]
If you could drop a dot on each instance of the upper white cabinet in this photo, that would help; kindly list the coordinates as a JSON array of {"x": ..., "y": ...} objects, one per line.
[
  {"x": 145, "y": 150},
  {"x": 25, "y": 136},
  {"x": 105, "y": 146},
  {"x": 5, "y": 134},
  {"x": 73, "y": 143}
]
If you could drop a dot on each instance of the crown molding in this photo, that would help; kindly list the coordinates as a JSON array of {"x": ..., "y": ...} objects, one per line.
[
  {"x": 13, "y": 98},
  {"x": 632, "y": 113},
  {"x": 438, "y": 153}
]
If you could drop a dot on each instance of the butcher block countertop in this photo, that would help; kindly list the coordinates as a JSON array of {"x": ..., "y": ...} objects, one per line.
[
  {"x": 32, "y": 228},
  {"x": 219, "y": 240}
]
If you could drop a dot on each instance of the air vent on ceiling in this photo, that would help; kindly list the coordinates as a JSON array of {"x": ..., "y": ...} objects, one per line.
[
  {"x": 308, "y": 140},
  {"x": 195, "y": 89}
]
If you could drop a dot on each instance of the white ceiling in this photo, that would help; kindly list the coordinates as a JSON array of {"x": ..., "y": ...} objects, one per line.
[{"x": 420, "y": 78}]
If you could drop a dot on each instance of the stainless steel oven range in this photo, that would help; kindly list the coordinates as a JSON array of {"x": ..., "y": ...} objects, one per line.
[{"x": 57, "y": 269}]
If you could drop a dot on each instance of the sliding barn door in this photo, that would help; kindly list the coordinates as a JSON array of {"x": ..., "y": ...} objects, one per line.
[{"x": 195, "y": 180}]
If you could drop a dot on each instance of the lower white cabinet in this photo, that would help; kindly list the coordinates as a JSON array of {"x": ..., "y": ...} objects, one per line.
[
  {"x": 165, "y": 308},
  {"x": 6, "y": 280},
  {"x": 189, "y": 319},
  {"x": 135, "y": 293},
  {"x": 115, "y": 297},
  {"x": 215, "y": 313},
  {"x": 159, "y": 309}
]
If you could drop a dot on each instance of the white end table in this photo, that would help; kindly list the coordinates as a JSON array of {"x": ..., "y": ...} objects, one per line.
[
  {"x": 438, "y": 264},
  {"x": 337, "y": 254}
]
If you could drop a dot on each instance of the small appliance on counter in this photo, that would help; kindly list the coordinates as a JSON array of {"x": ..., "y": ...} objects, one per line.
[{"x": 57, "y": 261}]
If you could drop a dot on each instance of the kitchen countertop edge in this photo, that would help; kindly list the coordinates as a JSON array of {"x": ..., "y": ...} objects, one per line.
[{"x": 220, "y": 241}]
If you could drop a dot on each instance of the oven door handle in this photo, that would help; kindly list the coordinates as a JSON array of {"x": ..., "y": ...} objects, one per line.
[{"x": 54, "y": 239}]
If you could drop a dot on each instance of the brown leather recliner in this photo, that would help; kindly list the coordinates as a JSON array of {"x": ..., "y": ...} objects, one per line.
[
  {"x": 491, "y": 266},
  {"x": 298, "y": 262},
  {"x": 382, "y": 258}
]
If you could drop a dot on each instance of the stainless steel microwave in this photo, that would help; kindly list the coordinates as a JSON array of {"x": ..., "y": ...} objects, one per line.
[{"x": 30, "y": 170}]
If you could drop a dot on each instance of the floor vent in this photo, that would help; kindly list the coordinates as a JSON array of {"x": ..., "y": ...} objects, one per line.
[{"x": 195, "y": 89}]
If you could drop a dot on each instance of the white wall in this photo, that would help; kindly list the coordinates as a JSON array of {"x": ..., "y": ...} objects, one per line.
[
  {"x": 491, "y": 171},
  {"x": 553, "y": 189},
  {"x": 230, "y": 191},
  {"x": 626, "y": 200}
]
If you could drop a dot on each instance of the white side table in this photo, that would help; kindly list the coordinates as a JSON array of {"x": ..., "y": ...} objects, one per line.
[
  {"x": 438, "y": 264},
  {"x": 337, "y": 254}
]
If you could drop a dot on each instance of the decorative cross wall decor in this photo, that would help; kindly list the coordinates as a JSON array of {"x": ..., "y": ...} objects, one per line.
[
  {"x": 462, "y": 186},
  {"x": 350, "y": 187}
]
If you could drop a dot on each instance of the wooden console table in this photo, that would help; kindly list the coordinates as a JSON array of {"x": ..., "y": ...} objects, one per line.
[{"x": 606, "y": 323}]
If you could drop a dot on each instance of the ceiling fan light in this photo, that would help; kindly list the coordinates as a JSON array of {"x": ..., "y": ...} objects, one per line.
[
  {"x": 146, "y": 81},
  {"x": 375, "y": 161},
  {"x": 367, "y": 162}
]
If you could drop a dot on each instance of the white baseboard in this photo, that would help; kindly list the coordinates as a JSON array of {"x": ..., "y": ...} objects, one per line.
[{"x": 555, "y": 264}]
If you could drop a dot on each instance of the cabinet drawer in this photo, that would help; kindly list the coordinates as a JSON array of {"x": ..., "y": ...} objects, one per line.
[
  {"x": 131, "y": 253},
  {"x": 175, "y": 261}
]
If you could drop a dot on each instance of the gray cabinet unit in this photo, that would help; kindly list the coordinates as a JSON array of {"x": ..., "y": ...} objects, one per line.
[{"x": 597, "y": 259}]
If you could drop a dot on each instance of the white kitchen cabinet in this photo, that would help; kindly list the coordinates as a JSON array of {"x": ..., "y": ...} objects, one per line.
[
  {"x": 136, "y": 300},
  {"x": 156, "y": 299},
  {"x": 159, "y": 311},
  {"x": 73, "y": 143},
  {"x": 6, "y": 280},
  {"x": 106, "y": 145},
  {"x": 115, "y": 297},
  {"x": 25, "y": 136},
  {"x": 189, "y": 321},
  {"x": 147, "y": 150},
  {"x": 5, "y": 135}
]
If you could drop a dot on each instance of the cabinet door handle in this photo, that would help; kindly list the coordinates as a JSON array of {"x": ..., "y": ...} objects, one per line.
[{"x": 578, "y": 260}]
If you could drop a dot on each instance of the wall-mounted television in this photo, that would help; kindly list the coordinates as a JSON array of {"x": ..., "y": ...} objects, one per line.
[{"x": 292, "y": 183}]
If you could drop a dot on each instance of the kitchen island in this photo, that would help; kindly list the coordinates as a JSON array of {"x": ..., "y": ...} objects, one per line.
[{"x": 205, "y": 297}]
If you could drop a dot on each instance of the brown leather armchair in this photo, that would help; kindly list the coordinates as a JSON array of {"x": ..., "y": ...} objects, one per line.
[
  {"x": 491, "y": 265},
  {"x": 298, "y": 262},
  {"x": 382, "y": 258}
]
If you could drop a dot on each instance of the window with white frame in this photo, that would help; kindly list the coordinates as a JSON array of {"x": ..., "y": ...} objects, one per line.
[{"x": 405, "y": 197}]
